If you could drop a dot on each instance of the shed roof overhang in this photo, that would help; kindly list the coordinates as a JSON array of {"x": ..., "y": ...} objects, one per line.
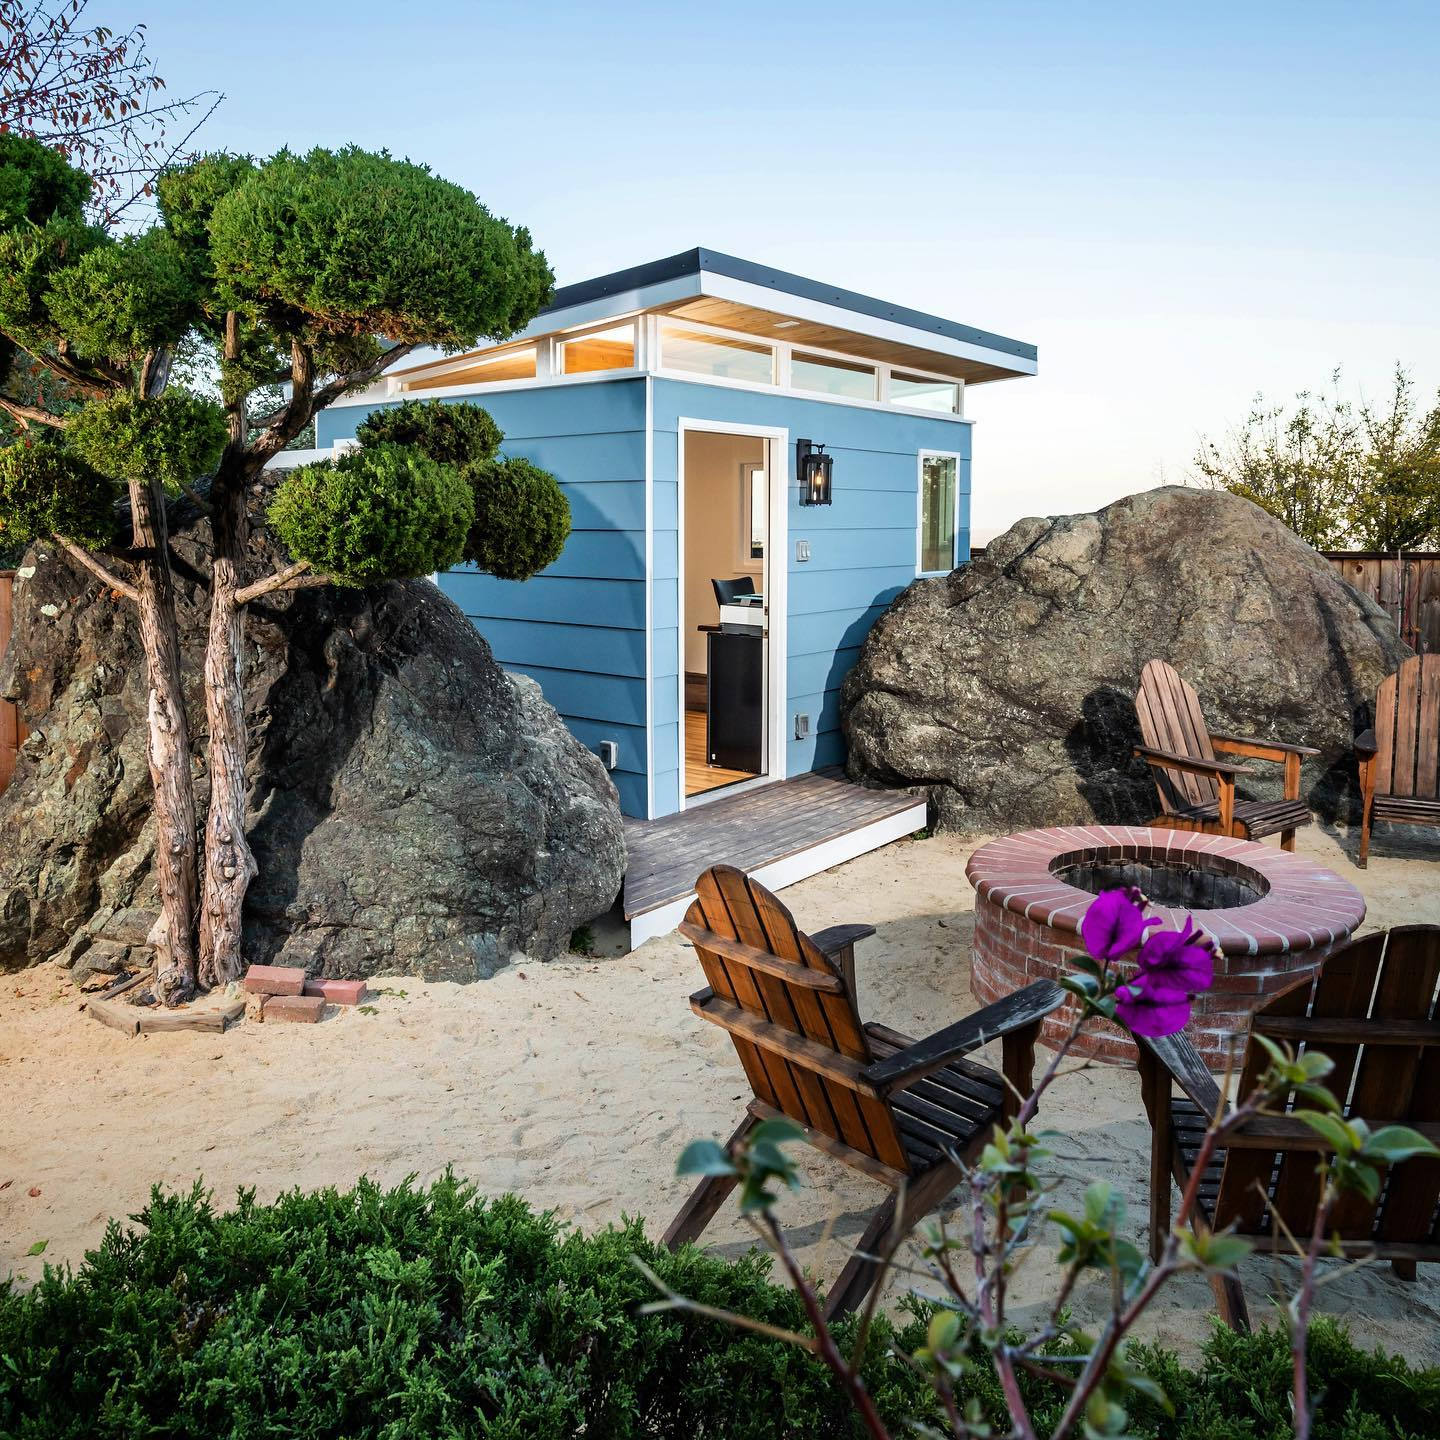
[{"x": 716, "y": 289}]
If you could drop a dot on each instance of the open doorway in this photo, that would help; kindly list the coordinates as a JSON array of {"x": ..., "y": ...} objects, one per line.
[{"x": 725, "y": 621}]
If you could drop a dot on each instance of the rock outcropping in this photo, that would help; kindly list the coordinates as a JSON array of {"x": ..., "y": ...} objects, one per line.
[
  {"x": 1006, "y": 688},
  {"x": 412, "y": 807}
]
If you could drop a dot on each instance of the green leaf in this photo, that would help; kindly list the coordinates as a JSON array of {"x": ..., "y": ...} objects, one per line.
[
  {"x": 1393, "y": 1143},
  {"x": 38, "y": 1248},
  {"x": 704, "y": 1157},
  {"x": 778, "y": 1131},
  {"x": 1339, "y": 1136}
]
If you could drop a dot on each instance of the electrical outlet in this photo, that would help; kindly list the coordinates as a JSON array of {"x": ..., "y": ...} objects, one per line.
[
  {"x": 609, "y": 754},
  {"x": 802, "y": 550},
  {"x": 802, "y": 727}
]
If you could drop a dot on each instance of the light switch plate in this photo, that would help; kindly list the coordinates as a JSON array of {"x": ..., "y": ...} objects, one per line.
[{"x": 802, "y": 550}]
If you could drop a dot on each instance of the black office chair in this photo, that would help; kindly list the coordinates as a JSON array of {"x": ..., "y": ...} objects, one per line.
[{"x": 727, "y": 590}]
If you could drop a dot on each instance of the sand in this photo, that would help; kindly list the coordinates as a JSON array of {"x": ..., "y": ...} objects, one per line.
[{"x": 576, "y": 1083}]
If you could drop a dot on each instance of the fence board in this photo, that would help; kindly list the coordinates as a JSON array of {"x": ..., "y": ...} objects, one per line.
[{"x": 1406, "y": 585}]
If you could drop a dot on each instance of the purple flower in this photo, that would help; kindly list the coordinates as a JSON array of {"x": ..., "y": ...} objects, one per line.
[
  {"x": 1176, "y": 962},
  {"x": 1151, "y": 1012},
  {"x": 1115, "y": 923}
]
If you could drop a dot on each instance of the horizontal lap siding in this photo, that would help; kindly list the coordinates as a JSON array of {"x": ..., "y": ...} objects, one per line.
[
  {"x": 577, "y": 628},
  {"x": 862, "y": 547}
]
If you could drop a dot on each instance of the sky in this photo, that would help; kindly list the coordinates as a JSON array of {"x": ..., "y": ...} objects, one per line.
[{"x": 1181, "y": 205}]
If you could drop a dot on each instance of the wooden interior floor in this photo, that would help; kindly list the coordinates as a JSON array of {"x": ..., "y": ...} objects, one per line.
[{"x": 700, "y": 777}]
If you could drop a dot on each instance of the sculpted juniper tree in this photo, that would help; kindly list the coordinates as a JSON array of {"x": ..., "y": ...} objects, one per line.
[
  {"x": 313, "y": 274},
  {"x": 101, "y": 315}
]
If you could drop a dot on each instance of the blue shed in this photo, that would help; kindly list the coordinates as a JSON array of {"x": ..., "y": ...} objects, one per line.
[{"x": 677, "y": 402}]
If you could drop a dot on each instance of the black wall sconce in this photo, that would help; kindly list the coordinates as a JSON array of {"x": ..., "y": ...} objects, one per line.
[{"x": 812, "y": 468}]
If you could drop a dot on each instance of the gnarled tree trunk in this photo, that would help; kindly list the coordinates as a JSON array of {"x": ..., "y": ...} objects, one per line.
[
  {"x": 167, "y": 748},
  {"x": 229, "y": 863}
]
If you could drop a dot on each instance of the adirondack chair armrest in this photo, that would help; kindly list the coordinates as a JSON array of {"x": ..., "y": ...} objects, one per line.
[
  {"x": 1366, "y": 745},
  {"x": 1221, "y": 769},
  {"x": 839, "y": 937},
  {"x": 1260, "y": 749},
  {"x": 1185, "y": 1066},
  {"x": 1024, "y": 1008}
]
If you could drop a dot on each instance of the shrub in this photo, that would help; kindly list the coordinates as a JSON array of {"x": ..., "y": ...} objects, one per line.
[
  {"x": 453, "y": 434},
  {"x": 175, "y": 437},
  {"x": 431, "y": 1311},
  {"x": 522, "y": 518},
  {"x": 46, "y": 490},
  {"x": 379, "y": 513},
  {"x": 408, "y": 1312}
]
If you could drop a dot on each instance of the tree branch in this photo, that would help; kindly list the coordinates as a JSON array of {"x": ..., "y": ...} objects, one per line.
[
  {"x": 292, "y": 577},
  {"x": 27, "y": 413},
  {"x": 285, "y": 424},
  {"x": 108, "y": 577}
]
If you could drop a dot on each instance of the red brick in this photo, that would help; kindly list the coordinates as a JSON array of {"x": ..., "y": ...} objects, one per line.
[
  {"x": 275, "y": 980},
  {"x": 337, "y": 992},
  {"x": 303, "y": 1009}
]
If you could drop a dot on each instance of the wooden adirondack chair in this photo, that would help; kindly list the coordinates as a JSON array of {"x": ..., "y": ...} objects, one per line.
[
  {"x": 1197, "y": 790},
  {"x": 899, "y": 1110},
  {"x": 1371, "y": 1009},
  {"x": 1400, "y": 757}
]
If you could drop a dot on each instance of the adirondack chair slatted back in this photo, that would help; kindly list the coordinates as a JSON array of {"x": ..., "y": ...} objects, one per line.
[
  {"x": 1171, "y": 719},
  {"x": 731, "y": 906},
  {"x": 1407, "y": 730},
  {"x": 1378, "y": 978}
]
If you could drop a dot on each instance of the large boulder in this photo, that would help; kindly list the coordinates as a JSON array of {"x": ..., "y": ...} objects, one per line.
[
  {"x": 1007, "y": 688},
  {"x": 412, "y": 807}
]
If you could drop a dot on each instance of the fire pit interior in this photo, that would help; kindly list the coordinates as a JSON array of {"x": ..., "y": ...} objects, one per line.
[
  {"x": 1190, "y": 883},
  {"x": 1274, "y": 916}
]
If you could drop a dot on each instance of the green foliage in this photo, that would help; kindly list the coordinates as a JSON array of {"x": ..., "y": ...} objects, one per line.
[
  {"x": 37, "y": 182},
  {"x": 188, "y": 194},
  {"x": 410, "y": 1312},
  {"x": 31, "y": 260},
  {"x": 1337, "y": 474},
  {"x": 175, "y": 438},
  {"x": 1239, "y": 1388},
  {"x": 522, "y": 518},
  {"x": 45, "y": 490},
  {"x": 350, "y": 243},
  {"x": 383, "y": 512},
  {"x": 120, "y": 300},
  {"x": 430, "y": 1311},
  {"x": 453, "y": 434}
]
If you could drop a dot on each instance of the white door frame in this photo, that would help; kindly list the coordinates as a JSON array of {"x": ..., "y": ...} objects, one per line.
[{"x": 777, "y": 554}]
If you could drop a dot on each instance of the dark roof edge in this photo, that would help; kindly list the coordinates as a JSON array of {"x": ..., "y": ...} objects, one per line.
[{"x": 694, "y": 262}]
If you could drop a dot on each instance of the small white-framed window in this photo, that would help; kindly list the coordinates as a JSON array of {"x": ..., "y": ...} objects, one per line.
[
  {"x": 938, "y": 507},
  {"x": 829, "y": 375},
  {"x": 754, "y": 515},
  {"x": 610, "y": 349},
  {"x": 507, "y": 365},
  {"x": 725, "y": 357},
  {"x": 924, "y": 392}
]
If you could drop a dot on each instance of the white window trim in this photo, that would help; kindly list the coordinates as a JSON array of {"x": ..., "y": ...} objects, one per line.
[{"x": 920, "y": 460}]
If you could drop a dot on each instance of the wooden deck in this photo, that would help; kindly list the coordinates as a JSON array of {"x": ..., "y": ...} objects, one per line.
[{"x": 779, "y": 833}]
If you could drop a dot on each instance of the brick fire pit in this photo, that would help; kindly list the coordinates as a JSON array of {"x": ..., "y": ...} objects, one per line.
[{"x": 1274, "y": 916}]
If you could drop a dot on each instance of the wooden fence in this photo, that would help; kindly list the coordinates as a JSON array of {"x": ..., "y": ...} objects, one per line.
[
  {"x": 12, "y": 730},
  {"x": 1406, "y": 584}
]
